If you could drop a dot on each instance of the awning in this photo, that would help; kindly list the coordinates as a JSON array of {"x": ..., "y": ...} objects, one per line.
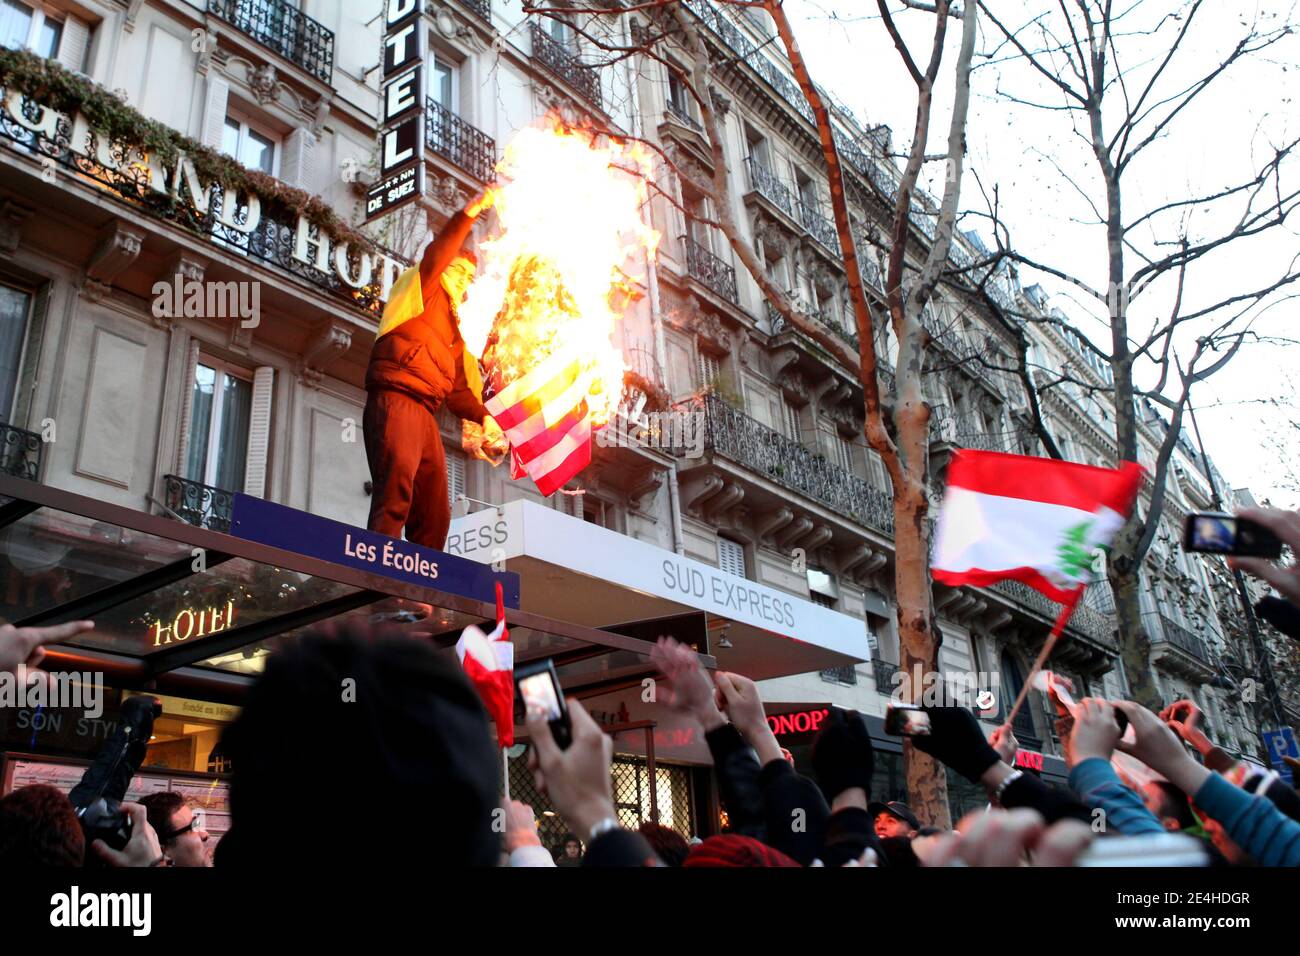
[
  {"x": 597, "y": 577},
  {"x": 195, "y": 611}
]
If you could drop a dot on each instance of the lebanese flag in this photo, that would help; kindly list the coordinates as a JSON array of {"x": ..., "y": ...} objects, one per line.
[
  {"x": 489, "y": 662},
  {"x": 544, "y": 414},
  {"x": 1035, "y": 520}
]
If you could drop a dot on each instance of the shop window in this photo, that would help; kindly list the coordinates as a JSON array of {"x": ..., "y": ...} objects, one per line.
[
  {"x": 24, "y": 26},
  {"x": 255, "y": 148},
  {"x": 220, "y": 416},
  {"x": 731, "y": 557},
  {"x": 15, "y": 311}
]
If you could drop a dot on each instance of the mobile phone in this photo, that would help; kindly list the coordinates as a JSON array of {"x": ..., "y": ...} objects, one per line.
[
  {"x": 1158, "y": 849},
  {"x": 1211, "y": 532},
  {"x": 539, "y": 688},
  {"x": 906, "y": 720}
]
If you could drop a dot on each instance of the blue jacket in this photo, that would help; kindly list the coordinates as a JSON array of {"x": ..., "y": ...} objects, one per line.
[{"x": 1096, "y": 782}]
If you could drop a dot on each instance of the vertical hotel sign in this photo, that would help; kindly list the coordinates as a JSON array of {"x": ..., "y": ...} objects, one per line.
[{"x": 401, "y": 110}]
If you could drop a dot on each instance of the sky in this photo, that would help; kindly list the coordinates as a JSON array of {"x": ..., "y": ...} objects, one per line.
[{"x": 1249, "y": 412}]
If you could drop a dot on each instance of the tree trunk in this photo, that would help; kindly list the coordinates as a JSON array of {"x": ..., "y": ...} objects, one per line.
[{"x": 1134, "y": 644}]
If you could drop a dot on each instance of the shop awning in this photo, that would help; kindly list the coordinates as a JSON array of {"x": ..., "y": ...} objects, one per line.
[
  {"x": 600, "y": 578},
  {"x": 193, "y": 612}
]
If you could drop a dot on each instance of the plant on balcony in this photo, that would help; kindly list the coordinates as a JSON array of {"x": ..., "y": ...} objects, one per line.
[{"x": 51, "y": 85}]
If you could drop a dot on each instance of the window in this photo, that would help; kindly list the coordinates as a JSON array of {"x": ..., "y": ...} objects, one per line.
[
  {"x": 455, "y": 476},
  {"x": 844, "y": 452},
  {"x": 697, "y": 209},
  {"x": 560, "y": 32},
  {"x": 790, "y": 415},
  {"x": 253, "y": 148},
  {"x": 443, "y": 82},
  {"x": 23, "y": 26},
  {"x": 15, "y": 307},
  {"x": 679, "y": 100},
  {"x": 731, "y": 557},
  {"x": 220, "y": 414},
  {"x": 710, "y": 369}
]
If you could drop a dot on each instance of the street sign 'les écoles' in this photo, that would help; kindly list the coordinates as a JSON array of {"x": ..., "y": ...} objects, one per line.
[{"x": 401, "y": 111}]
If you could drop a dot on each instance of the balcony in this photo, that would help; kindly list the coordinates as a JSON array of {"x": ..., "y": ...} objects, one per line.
[
  {"x": 467, "y": 146},
  {"x": 1184, "y": 640},
  {"x": 819, "y": 227},
  {"x": 765, "y": 182},
  {"x": 198, "y": 504},
  {"x": 559, "y": 62},
  {"x": 682, "y": 115},
  {"x": 20, "y": 452},
  {"x": 1085, "y": 620},
  {"x": 883, "y": 672},
  {"x": 732, "y": 435},
  {"x": 779, "y": 324},
  {"x": 481, "y": 8},
  {"x": 281, "y": 28},
  {"x": 707, "y": 269}
]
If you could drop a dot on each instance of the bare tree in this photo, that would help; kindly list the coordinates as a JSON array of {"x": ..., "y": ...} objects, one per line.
[
  {"x": 1119, "y": 84},
  {"x": 899, "y": 430}
]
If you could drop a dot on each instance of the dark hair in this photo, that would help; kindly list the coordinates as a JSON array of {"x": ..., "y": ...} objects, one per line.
[
  {"x": 1173, "y": 803},
  {"x": 396, "y": 727},
  {"x": 929, "y": 831},
  {"x": 161, "y": 807},
  {"x": 670, "y": 845},
  {"x": 39, "y": 828}
]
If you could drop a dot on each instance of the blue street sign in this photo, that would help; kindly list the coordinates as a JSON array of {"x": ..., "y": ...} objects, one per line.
[
  {"x": 1281, "y": 743},
  {"x": 278, "y": 526}
]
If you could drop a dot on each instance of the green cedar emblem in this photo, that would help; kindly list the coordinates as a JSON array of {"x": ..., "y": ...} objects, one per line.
[{"x": 1073, "y": 557}]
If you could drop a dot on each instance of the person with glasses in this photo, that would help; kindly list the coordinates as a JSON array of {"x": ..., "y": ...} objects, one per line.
[{"x": 179, "y": 831}]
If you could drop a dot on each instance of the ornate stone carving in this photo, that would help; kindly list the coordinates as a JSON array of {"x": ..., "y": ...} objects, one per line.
[
  {"x": 263, "y": 82},
  {"x": 119, "y": 246},
  {"x": 331, "y": 340},
  {"x": 13, "y": 217}
]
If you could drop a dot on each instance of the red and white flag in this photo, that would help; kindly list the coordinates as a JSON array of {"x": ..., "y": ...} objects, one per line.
[
  {"x": 544, "y": 414},
  {"x": 1035, "y": 520},
  {"x": 489, "y": 662}
]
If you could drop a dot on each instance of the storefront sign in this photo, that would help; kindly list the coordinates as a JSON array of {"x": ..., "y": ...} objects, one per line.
[
  {"x": 278, "y": 526},
  {"x": 800, "y": 722},
  {"x": 193, "y": 622},
  {"x": 401, "y": 111},
  {"x": 523, "y": 528},
  {"x": 1029, "y": 760}
]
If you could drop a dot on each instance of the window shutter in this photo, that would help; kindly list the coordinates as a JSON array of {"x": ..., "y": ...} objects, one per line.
[
  {"x": 259, "y": 432},
  {"x": 709, "y": 368},
  {"x": 296, "y": 166},
  {"x": 72, "y": 45},
  {"x": 731, "y": 557},
  {"x": 187, "y": 407},
  {"x": 214, "y": 110},
  {"x": 455, "y": 476}
]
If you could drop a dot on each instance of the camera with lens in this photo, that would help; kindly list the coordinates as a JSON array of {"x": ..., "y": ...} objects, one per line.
[{"x": 98, "y": 797}]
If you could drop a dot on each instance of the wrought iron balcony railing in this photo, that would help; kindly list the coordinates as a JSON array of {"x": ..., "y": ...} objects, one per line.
[
  {"x": 844, "y": 331},
  {"x": 731, "y": 434},
  {"x": 483, "y": 8},
  {"x": 467, "y": 146},
  {"x": 765, "y": 182},
  {"x": 819, "y": 227},
  {"x": 20, "y": 452},
  {"x": 848, "y": 674},
  {"x": 1085, "y": 620},
  {"x": 558, "y": 61},
  {"x": 282, "y": 28},
  {"x": 1183, "y": 639},
  {"x": 683, "y": 116},
  {"x": 884, "y": 672},
  {"x": 197, "y": 503},
  {"x": 704, "y": 266}
]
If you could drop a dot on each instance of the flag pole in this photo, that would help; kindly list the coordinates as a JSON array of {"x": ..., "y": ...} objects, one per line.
[
  {"x": 1057, "y": 629},
  {"x": 505, "y": 770}
]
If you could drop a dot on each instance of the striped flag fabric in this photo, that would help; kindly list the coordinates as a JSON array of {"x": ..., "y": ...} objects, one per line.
[
  {"x": 489, "y": 663},
  {"x": 544, "y": 415},
  {"x": 1036, "y": 520}
]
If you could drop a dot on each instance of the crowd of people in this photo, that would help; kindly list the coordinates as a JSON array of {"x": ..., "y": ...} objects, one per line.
[{"x": 410, "y": 743}]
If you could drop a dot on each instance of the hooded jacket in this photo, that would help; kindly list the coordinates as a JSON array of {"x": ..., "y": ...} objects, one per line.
[{"x": 424, "y": 355}]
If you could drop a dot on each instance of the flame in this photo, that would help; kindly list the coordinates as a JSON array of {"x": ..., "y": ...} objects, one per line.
[{"x": 559, "y": 269}]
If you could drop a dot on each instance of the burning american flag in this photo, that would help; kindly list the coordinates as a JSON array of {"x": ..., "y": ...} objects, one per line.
[{"x": 552, "y": 285}]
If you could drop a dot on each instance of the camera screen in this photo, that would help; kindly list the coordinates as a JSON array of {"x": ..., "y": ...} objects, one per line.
[
  {"x": 538, "y": 693},
  {"x": 1212, "y": 533},
  {"x": 915, "y": 723}
]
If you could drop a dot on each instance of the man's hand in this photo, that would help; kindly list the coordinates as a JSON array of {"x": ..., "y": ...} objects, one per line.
[
  {"x": 521, "y": 826},
  {"x": 1003, "y": 740},
  {"x": 1184, "y": 718},
  {"x": 485, "y": 201},
  {"x": 142, "y": 849},
  {"x": 577, "y": 779},
  {"x": 1286, "y": 525},
  {"x": 26, "y": 645},
  {"x": 687, "y": 684},
  {"x": 1000, "y": 839},
  {"x": 1095, "y": 730},
  {"x": 1158, "y": 747},
  {"x": 744, "y": 706}
]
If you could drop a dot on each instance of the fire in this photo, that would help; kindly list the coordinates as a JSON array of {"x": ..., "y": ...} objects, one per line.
[{"x": 561, "y": 266}]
